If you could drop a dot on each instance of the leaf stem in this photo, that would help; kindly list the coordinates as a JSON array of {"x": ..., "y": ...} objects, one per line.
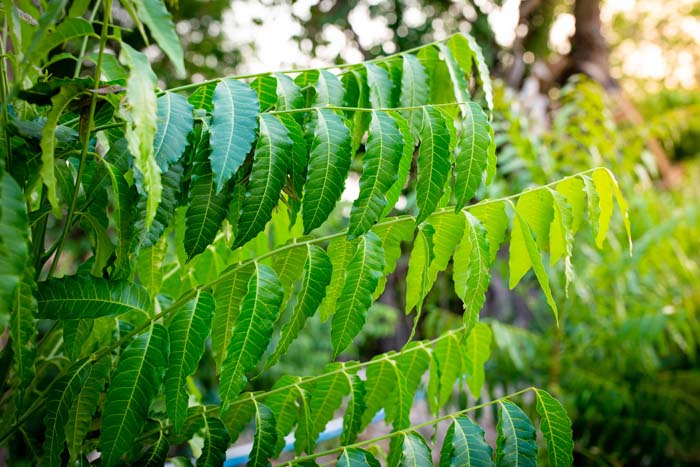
[{"x": 87, "y": 134}]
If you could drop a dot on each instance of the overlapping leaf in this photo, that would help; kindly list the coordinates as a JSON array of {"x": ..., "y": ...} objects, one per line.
[
  {"x": 471, "y": 273},
  {"x": 464, "y": 445},
  {"x": 175, "y": 122},
  {"x": 477, "y": 350},
  {"x": 216, "y": 440},
  {"x": 433, "y": 162},
  {"x": 158, "y": 19},
  {"x": 472, "y": 153}
]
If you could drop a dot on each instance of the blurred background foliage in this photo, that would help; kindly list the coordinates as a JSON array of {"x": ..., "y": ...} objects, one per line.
[{"x": 582, "y": 83}]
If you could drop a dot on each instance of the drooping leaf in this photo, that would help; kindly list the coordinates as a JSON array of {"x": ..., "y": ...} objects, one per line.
[
  {"x": 59, "y": 103},
  {"x": 391, "y": 235},
  {"x": 413, "y": 362},
  {"x": 228, "y": 295},
  {"x": 380, "y": 166},
  {"x": 414, "y": 93},
  {"x": 472, "y": 153},
  {"x": 207, "y": 207},
  {"x": 80, "y": 297},
  {"x": 251, "y": 334},
  {"x": 477, "y": 350},
  {"x": 380, "y": 384},
  {"x": 141, "y": 117},
  {"x": 361, "y": 279},
  {"x": 289, "y": 265},
  {"x": 283, "y": 400},
  {"x": 433, "y": 162},
  {"x": 380, "y": 87},
  {"x": 355, "y": 457},
  {"x": 316, "y": 277},
  {"x": 606, "y": 186},
  {"x": 340, "y": 250},
  {"x": 267, "y": 178},
  {"x": 515, "y": 444},
  {"x": 357, "y": 95},
  {"x": 265, "y": 437},
  {"x": 23, "y": 327},
  {"x": 448, "y": 354},
  {"x": 133, "y": 386},
  {"x": 464, "y": 445},
  {"x": 561, "y": 237},
  {"x": 232, "y": 128},
  {"x": 415, "y": 451},
  {"x": 216, "y": 440},
  {"x": 457, "y": 77},
  {"x": 187, "y": 330},
  {"x": 84, "y": 406},
  {"x": 482, "y": 67},
  {"x": 156, "y": 16},
  {"x": 156, "y": 454},
  {"x": 495, "y": 220},
  {"x": 471, "y": 273},
  {"x": 555, "y": 426},
  {"x": 329, "y": 90},
  {"x": 417, "y": 279},
  {"x": 265, "y": 86},
  {"x": 124, "y": 197},
  {"x": 175, "y": 122},
  {"x": 393, "y": 193},
  {"x": 352, "y": 419},
  {"x": 448, "y": 234},
  {"x": 325, "y": 398},
  {"x": 58, "y": 404},
  {"x": 238, "y": 415},
  {"x": 329, "y": 163},
  {"x": 149, "y": 266},
  {"x": 525, "y": 254},
  {"x": 573, "y": 191}
]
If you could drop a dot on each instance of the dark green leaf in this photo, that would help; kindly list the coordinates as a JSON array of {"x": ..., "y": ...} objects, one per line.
[
  {"x": 134, "y": 385},
  {"x": 154, "y": 14},
  {"x": 232, "y": 128},
  {"x": 283, "y": 402},
  {"x": 555, "y": 426},
  {"x": 329, "y": 90},
  {"x": 472, "y": 152},
  {"x": 80, "y": 297},
  {"x": 464, "y": 445},
  {"x": 175, "y": 122},
  {"x": 267, "y": 178},
  {"x": 414, "y": 92},
  {"x": 516, "y": 444},
  {"x": 216, "y": 440},
  {"x": 265, "y": 437},
  {"x": 352, "y": 419},
  {"x": 415, "y": 452},
  {"x": 265, "y": 86},
  {"x": 433, "y": 162},
  {"x": 155, "y": 455},
  {"x": 23, "y": 326}
]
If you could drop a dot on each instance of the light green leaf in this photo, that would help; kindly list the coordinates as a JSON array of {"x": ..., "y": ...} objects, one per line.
[
  {"x": 515, "y": 445},
  {"x": 535, "y": 207},
  {"x": 289, "y": 265},
  {"x": 380, "y": 166},
  {"x": 361, "y": 279},
  {"x": 462, "y": 53},
  {"x": 297, "y": 166},
  {"x": 288, "y": 93},
  {"x": 316, "y": 277},
  {"x": 415, "y": 451},
  {"x": 561, "y": 237},
  {"x": 140, "y": 113},
  {"x": 606, "y": 186},
  {"x": 80, "y": 297},
  {"x": 413, "y": 362},
  {"x": 380, "y": 87},
  {"x": 58, "y": 404},
  {"x": 187, "y": 330},
  {"x": 464, "y": 445},
  {"x": 417, "y": 279},
  {"x": 433, "y": 162},
  {"x": 482, "y": 67},
  {"x": 414, "y": 93},
  {"x": 381, "y": 383},
  {"x": 472, "y": 153},
  {"x": 573, "y": 191},
  {"x": 232, "y": 128},
  {"x": 391, "y": 235},
  {"x": 251, "y": 334},
  {"x": 149, "y": 266},
  {"x": 555, "y": 426},
  {"x": 448, "y": 354},
  {"x": 304, "y": 436},
  {"x": 329, "y": 90},
  {"x": 267, "y": 178},
  {"x": 352, "y": 419},
  {"x": 154, "y": 14},
  {"x": 400, "y": 401},
  {"x": 328, "y": 167},
  {"x": 133, "y": 386},
  {"x": 207, "y": 208},
  {"x": 23, "y": 327},
  {"x": 216, "y": 441},
  {"x": 477, "y": 350},
  {"x": 525, "y": 254},
  {"x": 471, "y": 273},
  {"x": 175, "y": 122},
  {"x": 203, "y": 97},
  {"x": 393, "y": 193},
  {"x": 460, "y": 85},
  {"x": 340, "y": 250},
  {"x": 448, "y": 234},
  {"x": 84, "y": 406},
  {"x": 593, "y": 202},
  {"x": 228, "y": 295},
  {"x": 495, "y": 220},
  {"x": 59, "y": 103},
  {"x": 357, "y": 95}
]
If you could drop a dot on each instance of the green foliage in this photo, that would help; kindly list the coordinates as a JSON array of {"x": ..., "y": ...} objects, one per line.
[{"x": 183, "y": 198}]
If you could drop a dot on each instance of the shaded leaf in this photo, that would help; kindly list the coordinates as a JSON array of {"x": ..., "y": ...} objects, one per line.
[
  {"x": 414, "y": 93},
  {"x": 477, "y": 350},
  {"x": 555, "y": 426},
  {"x": 175, "y": 122},
  {"x": 515, "y": 444},
  {"x": 464, "y": 445},
  {"x": 216, "y": 441}
]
